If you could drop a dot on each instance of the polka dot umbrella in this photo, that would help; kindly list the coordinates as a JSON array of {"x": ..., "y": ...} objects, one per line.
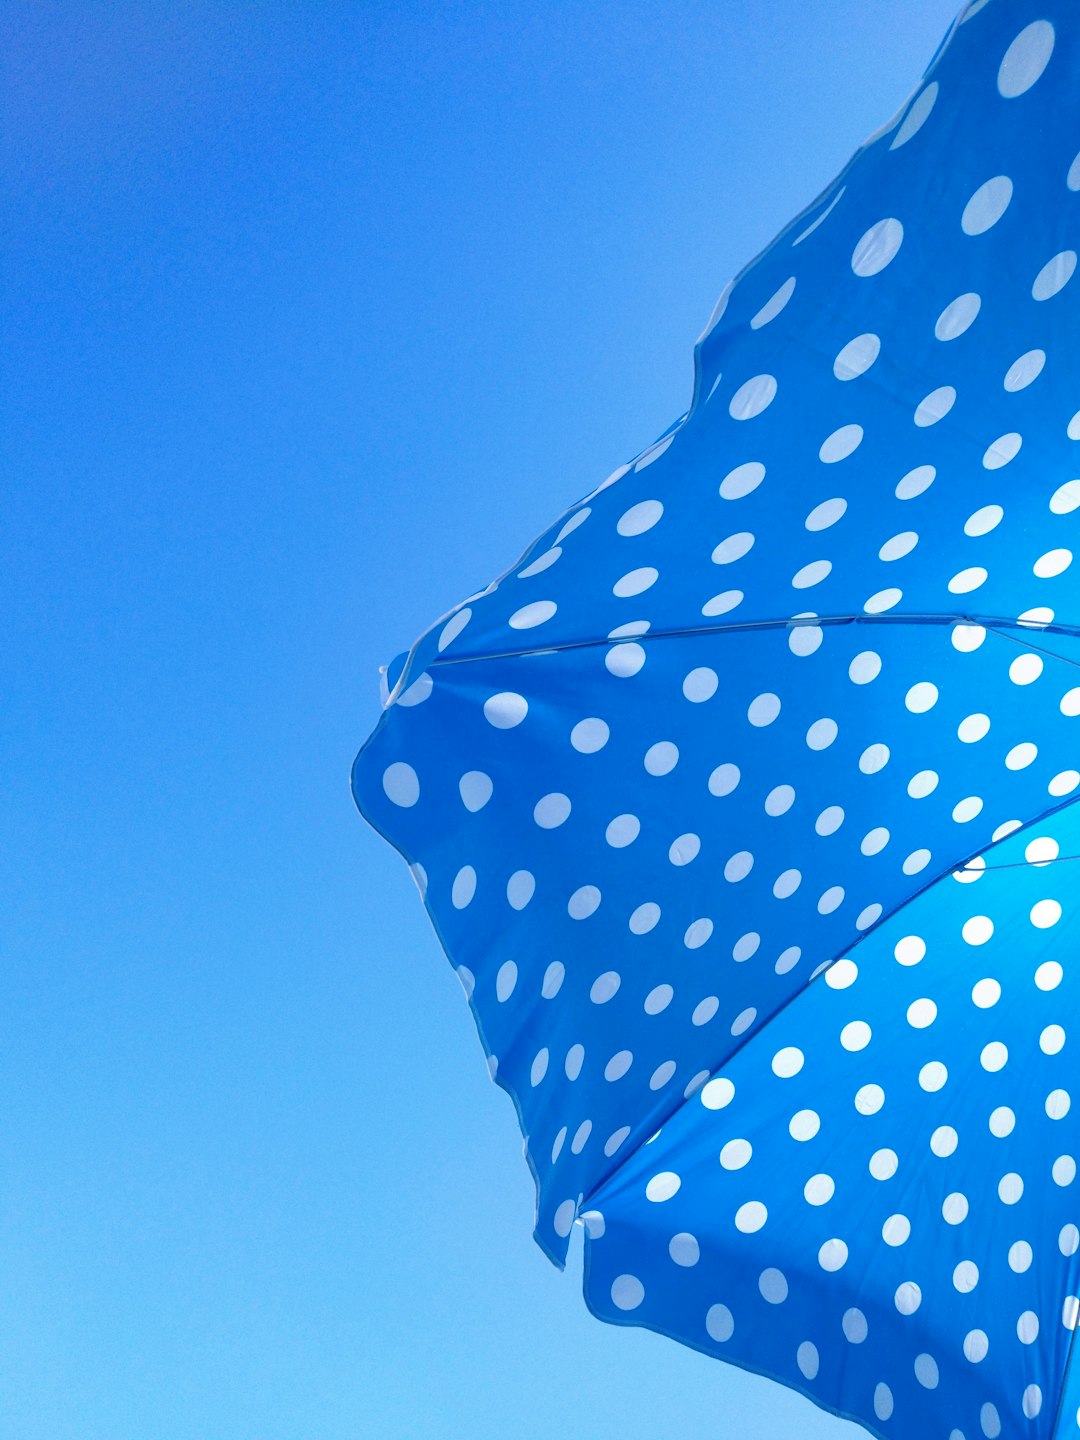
[{"x": 743, "y": 802}]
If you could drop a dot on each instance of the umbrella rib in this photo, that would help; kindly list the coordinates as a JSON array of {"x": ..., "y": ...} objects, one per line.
[
  {"x": 682, "y": 1103},
  {"x": 997, "y": 624}
]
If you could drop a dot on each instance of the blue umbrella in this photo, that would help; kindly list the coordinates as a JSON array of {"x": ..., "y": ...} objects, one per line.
[{"x": 742, "y": 803}]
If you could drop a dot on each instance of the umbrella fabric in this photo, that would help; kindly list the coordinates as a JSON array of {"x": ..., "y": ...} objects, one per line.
[{"x": 742, "y": 802}]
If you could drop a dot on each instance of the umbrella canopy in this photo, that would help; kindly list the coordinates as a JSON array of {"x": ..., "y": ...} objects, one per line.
[{"x": 742, "y": 802}]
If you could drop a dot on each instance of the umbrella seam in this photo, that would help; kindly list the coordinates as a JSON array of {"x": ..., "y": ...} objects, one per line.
[
  {"x": 823, "y": 970},
  {"x": 996, "y": 624}
]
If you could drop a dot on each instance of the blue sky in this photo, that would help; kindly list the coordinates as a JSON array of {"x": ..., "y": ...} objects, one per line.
[{"x": 316, "y": 314}]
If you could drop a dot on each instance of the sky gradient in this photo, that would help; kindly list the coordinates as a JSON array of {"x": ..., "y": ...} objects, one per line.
[{"x": 315, "y": 315}]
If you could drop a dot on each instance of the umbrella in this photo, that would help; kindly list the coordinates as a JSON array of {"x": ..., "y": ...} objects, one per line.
[{"x": 743, "y": 802}]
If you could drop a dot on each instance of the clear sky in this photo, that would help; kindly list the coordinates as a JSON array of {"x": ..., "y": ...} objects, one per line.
[{"x": 316, "y": 313}]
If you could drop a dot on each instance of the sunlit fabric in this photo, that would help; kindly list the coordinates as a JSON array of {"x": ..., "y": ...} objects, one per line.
[{"x": 743, "y": 802}]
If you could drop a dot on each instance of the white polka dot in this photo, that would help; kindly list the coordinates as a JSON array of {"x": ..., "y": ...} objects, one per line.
[
  {"x": 520, "y": 889},
  {"x": 833, "y": 1255},
  {"x": 551, "y": 811},
  {"x": 1002, "y": 1122},
  {"x": 1064, "y": 783},
  {"x": 697, "y": 934},
  {"x": 733, "y": 548},
  {"x": 589, "y": 736},
  {"x": 883, "y": 600},
  {"x": 749, "y": 1218},
  {"x": 926, "y": 1371},
  {"x": 840, "y": 444},
  {"x": 933, "y": 1076},
  {"x": 684, "y": 849},
  {"x": 464, "y": 887},
  {"x": 735, "y": 1154},
  {"x": 883, "y": 1164},
  {"x": 869, "y": 1099},
  {"x": 743, "y": 480},
  {"x": 529, "y": 616},
  {"x": 921, "y": 697},
  {"x": 899, "y": 546},
  {"x": 982, "y": 521},
  {"x": 722, "y": 604},
  {"x": 821, "y": 734},
  {"x": 1058, "y": 1103},
  {"x": 553, "y": 979},
  {"x": 539, "y": 1066},
  {"x": 917, "y": 115},
  {"x": 1022, "y": 372},
  {"x": 819, "y": 1189},
  {"x": 922, "y": 784},
  {"x": 811, "y": 574},
  {"x": 874, "y": 758},
  {"x": 739, "y": 866},
  {"x": 625, "y": 660},
  {"x": 915, "y": 482},
  {"x": 1053, "y": 563},
  {"x": 1025, "y": 669},
  {"x": 417, "y": 692},
  {"x": 505, "y": 981},
  {"x": 789, "y": 958},
  {"x": 401, "y": 784},
  {"x": 627, "y": 1292},
  {"x": 1052, "y": 1040},
  {"x": 966, "y": 1276},
  {"x": 973, "y": 728},
  {"x": 705, "y": 1010},
  {"x": 965, "y": 581},
  {"x": 855, "y": 1035},
  {"x": 967, "y": 809},
  {"x": 662, "y": 1187},
  {"x": 1026, "y": 59},
  {"x": 1066, "y": 498},
  {"x": 786, "y": 883},
  {"x": 752, "y": 397},
  {"x": 840, "y": 975},
  {"x": 935, "y": 406},
  {"x": 878, "y": 247},
  {"x": 540, "y": 564},
  {"x": 724, "y": 779},
  {"x": 908, "y": 1297},
  {"x": 684, "y": 1249},
  {"x": 1021, "y": 756},
  {"x": 618, "y": 1065},
  {"x": 1004, "y": 448},
  {"x": 774, "y": 305},
  {"x": 701, "y": 684},
  {"x": 987, "y": 205},
  {"x": 826, "y": 514},
  {"x": 505, "y": 710},
  {"x": 943, "y": 1141},
  {"x": 763, "y": 709},
  {"x": 453, "y": 628},
  {"x": 883, "y": 1401},
  {"x": 921, "y": 1013},
  {"x": 583, "y": 902},
  {"x": 640, "y": 517},
  {"x": 856, "y": 358},
  {"x": 976, "y": 1346},
  {"x": 1063, "y": 1170},
  {"x": 743, "y": 1021},
  {"x": 954, "y": 1208},
  {"x": 779, "y": 800},
  {"x": 866, "y": 666},
  {"x": 853, "y": 1323},
  {"x": 804, "y": 1125},
  {"x": 718, "y": 1093},
  {"x": 806, "y": 1357},
  {"x": 719, "y": 1323},
  {"x": 958, "y": 316},
  {"x": 787, "y": 1062},
  {"x": 635, "y": 582}
]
